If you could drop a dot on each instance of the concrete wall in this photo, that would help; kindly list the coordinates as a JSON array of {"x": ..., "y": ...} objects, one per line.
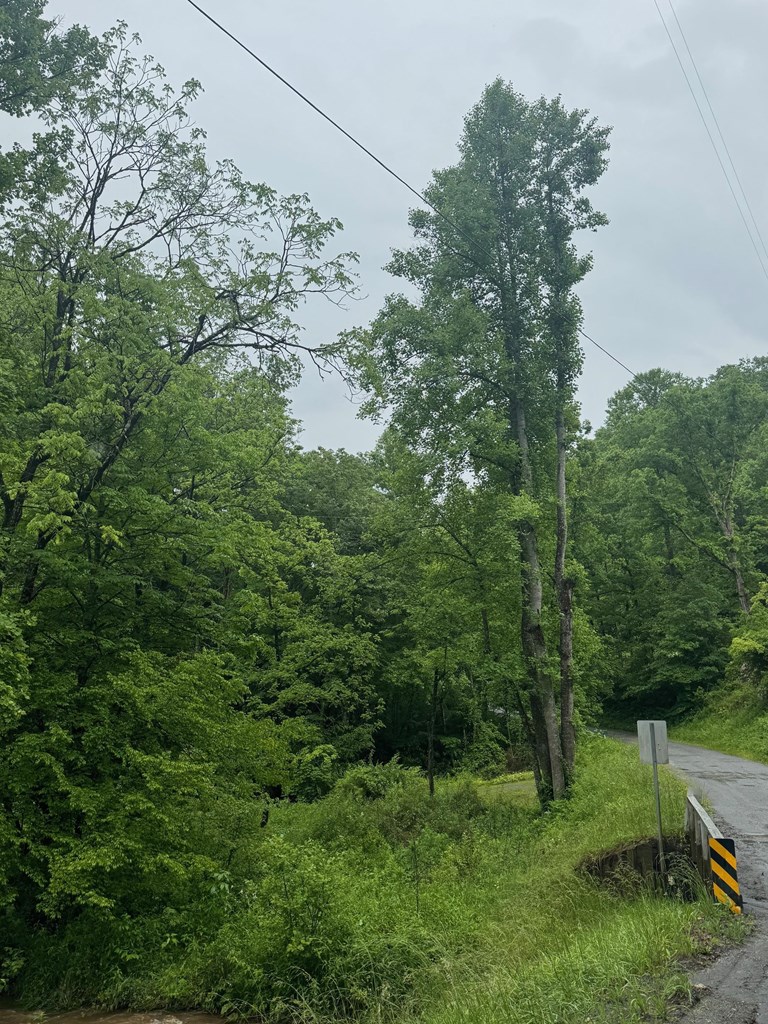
[{"x": 640, "y": 860}]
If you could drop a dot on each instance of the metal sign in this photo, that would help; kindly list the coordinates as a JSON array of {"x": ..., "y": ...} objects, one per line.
[
  {"x": 653, "y": 735},
  {"x": 652, "y": 738}
]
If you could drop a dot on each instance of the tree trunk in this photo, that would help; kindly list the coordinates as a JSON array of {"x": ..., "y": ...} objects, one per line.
[
  {"x": 539, "y": 750},
  {"x": 542, "y": 772},
  {"x": 543, "y": 708},
  {"x": 567, "y": 731},
  {"x": 431, "y": 734},
  {"x": 725, "y": 522},
  {"x": 733, "y": 559},
  {"x": 564, "y": 589}
]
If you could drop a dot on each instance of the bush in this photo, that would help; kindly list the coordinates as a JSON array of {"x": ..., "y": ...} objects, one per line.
[
  {"x": 485, "y": 756},
  {"x": 373, "y": 781}
]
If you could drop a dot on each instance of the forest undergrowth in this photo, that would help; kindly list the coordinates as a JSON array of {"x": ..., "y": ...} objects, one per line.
[
  {"x": 733, "y": 720},
  {"x": 377, "y": 903}
]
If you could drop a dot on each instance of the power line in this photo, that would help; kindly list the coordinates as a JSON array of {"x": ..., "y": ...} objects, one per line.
[
  {"x": 420, "y": 196},
  {"x": 719, "y": 130},
  {"x": 389, "y": 170},
  {"x": 609, "y": 354},
  {"x": 711, "y": 139}
]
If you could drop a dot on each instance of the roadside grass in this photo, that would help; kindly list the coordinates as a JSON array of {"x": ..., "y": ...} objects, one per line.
[
  {"x": 378, "y": 904},
  {"x": 568, "y": 950},
  {"x": 733, "y": 720},
  {"x": 514, "y": 787}
]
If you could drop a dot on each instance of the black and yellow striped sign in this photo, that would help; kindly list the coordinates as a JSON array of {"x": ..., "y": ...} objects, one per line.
[{"x": 722, "y": 860}]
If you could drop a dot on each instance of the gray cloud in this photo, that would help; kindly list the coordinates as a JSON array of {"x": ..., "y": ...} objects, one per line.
[{"x": 675, "y": 281}]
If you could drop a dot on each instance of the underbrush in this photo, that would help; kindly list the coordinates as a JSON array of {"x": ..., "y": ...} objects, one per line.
[
  {"x": 379, "y": 904},
  {"x": 733, "y": 720}
]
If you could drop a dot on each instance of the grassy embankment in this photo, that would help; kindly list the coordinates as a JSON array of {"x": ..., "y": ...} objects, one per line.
[
  {"x": 376, "y": 904},
  {"x": 733, "y": 720}
]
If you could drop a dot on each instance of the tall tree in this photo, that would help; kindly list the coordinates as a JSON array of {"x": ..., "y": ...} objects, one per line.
[
  {"x": 571, "y": 157},
  {"x": 147, "y": 331},
  {"x": 476, "y": 371},
  {"x": 148, "y": 262}
]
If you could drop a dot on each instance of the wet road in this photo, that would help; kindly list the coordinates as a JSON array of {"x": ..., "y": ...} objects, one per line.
[{"x": 738, "y": 791}]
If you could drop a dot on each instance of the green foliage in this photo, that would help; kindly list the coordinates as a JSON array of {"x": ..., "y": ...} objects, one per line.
[
  {"x": 484, "y": 755},
  {"x": 389, "y": 905},
  {"x": 173, "y": 647},
  {"x": 374, "y": 781},
  {"x": 749, "y": 647},
  {"x": 733, "y": 718},
  {"x": 37, "y": 63},
  {"x": 14, "y": 670},
  {"x": 669, "y": 523}
]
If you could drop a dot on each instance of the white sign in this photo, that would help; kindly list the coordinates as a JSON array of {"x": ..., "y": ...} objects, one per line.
[{"x": 659, "y": 730}]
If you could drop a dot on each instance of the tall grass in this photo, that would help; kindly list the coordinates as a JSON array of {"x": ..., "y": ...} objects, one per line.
[
  {"x": 562, "y": 949},
  {"x": 379, "y": 904}
]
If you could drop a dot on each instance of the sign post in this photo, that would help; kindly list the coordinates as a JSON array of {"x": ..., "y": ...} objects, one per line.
[{"x": 652, "y": 737}]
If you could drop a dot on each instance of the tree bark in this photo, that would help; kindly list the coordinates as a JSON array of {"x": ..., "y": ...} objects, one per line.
[
  {"x": 543, "y": 708},
  {"x": 564, "y": 589},
  {"x": 548, "y": 750},
  {"x": 735, "y": 564},
  {"x": 567, "y": 731},
  {"x": 431, "y": 733},
  {"x": 741, "y": 589},
  {"x": 539, "y": 750}
]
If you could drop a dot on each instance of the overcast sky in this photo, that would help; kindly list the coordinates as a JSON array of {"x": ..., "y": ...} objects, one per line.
[{"x": 676, "y": 282}]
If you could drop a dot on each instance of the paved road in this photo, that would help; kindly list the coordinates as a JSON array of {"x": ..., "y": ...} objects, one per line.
[
  {"x": 738, "y": 791},
  {"x": 737, "y": 984}
]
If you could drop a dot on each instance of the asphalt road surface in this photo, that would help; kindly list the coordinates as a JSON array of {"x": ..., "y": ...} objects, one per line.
[{"x": 736, "y": 985}]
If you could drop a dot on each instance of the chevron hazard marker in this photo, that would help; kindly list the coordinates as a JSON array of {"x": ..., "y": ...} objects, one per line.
[{"x": 725, "y": 882}]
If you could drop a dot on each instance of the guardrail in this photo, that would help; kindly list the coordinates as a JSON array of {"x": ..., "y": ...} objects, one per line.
[{"x": 713, "y": 854}]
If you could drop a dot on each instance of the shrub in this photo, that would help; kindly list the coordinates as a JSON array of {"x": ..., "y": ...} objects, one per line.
[{"x": 373, "y": 781}]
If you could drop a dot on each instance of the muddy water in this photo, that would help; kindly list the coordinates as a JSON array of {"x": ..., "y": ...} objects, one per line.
[{"x": 10, "y": 1016}]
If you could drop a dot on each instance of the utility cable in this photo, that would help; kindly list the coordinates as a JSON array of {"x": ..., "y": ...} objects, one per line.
[
  {"x": 711, "y": 139},
  {"x": 389, "y": 170},
  {"x": 419, "y": 195},
  {"x": 719, "y": 130},
  {"x": 609, "y": 354}
]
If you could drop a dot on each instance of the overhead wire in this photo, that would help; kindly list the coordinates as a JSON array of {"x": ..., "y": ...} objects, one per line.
[
  {"x": 386, "y": 167},
  {"x": 318, "y": 110},
  {"x": 609, "y": 354},
  {"x": 718, "y": 128},
  {"x": 711, "y": 139}
]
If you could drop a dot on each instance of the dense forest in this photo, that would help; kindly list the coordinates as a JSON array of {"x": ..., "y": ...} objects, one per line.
[{"x": 201, "y": 622}]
